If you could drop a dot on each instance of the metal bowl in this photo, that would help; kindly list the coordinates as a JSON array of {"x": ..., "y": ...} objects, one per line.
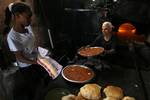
[
  {"x": 78, "y": 73},
  {"x": 90, "y": 51}
]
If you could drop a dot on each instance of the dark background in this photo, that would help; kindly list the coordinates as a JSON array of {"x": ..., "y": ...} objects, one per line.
[{"x": 71, "y": 29}]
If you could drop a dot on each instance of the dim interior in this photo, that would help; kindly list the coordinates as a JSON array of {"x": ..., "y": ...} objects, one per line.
[{"x": 64, "y": 27}]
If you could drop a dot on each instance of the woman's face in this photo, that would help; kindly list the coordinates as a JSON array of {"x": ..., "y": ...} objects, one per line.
[
  {"x": 106, "y": 30},
  {"x": 24, "y": 19}
]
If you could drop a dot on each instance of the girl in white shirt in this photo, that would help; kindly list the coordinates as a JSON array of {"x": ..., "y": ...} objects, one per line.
[{"x": 21, "y": 42}]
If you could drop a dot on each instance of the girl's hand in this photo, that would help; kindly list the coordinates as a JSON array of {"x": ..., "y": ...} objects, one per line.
[{"x": 35, "y": 62}]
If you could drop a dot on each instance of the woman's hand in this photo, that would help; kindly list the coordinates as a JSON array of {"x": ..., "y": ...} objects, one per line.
[
  {"x": 87, "y": 46},
  {"x": 112, "y": 51},
  {"x": 103, "y": 54}
]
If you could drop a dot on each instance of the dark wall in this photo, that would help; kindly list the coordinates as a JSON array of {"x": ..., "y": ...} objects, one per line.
[
  {"x": 135, "y": 11},
  {"x": 65, "y": 25},
  {"x": 73, "y": 28},
  {"x": 59, "y": 19}
]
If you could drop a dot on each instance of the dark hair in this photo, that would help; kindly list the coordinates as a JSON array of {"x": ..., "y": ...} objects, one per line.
[{"x": 17, "y": 8}]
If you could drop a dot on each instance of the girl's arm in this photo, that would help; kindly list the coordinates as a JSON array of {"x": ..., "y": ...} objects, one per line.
[{"x": 19, "y": 56}]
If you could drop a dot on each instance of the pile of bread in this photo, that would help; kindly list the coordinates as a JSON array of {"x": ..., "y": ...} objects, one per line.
[{"x": 94, "y": 92}]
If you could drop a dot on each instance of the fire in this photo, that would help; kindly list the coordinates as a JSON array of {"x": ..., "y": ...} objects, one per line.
[{"x": 128, "y": 31}]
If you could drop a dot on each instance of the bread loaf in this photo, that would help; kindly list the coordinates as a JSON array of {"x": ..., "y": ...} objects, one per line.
[
  {"x": 68, "y": 97},
  {"x": 113, "y": 91},
  {"x": 110, "y": 98},
  {"x": 91, "y": 91},
  {"x": 128, "y": 98}
]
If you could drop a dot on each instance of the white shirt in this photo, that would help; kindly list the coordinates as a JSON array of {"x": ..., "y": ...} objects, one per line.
[
  {"x": 22, "y": 42},
  {"x": 0, "y": 42}
]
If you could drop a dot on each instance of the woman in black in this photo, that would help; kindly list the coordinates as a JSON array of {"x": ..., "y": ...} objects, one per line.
[{"x": 107, "y": 40}]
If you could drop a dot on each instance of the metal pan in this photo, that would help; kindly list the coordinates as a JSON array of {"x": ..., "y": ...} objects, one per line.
[
  {"x": 77, "y": 73},
  {"x": 90, "y": 51}
]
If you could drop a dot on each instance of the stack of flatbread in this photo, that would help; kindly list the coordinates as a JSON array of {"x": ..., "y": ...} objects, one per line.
[{"x": 50, "y": 65}]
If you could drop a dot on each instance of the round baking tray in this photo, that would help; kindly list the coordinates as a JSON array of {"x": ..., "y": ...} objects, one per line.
[
  {"x": 78, "y": 74},
  {"x": 81, "y": 51}
]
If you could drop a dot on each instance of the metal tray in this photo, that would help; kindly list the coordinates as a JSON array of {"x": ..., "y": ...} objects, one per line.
[
  {"x": 75, "y": 81},
  {"x": 90, "y": 55}
]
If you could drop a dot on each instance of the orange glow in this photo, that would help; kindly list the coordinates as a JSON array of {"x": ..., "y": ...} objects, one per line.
[{"x": 128, "y": 31}]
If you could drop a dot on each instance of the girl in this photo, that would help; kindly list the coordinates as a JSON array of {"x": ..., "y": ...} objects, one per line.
[{"x": 21, "y": 42}]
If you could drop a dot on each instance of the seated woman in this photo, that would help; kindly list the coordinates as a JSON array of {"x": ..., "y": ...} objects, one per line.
[{"x": 107, "y": 40}]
